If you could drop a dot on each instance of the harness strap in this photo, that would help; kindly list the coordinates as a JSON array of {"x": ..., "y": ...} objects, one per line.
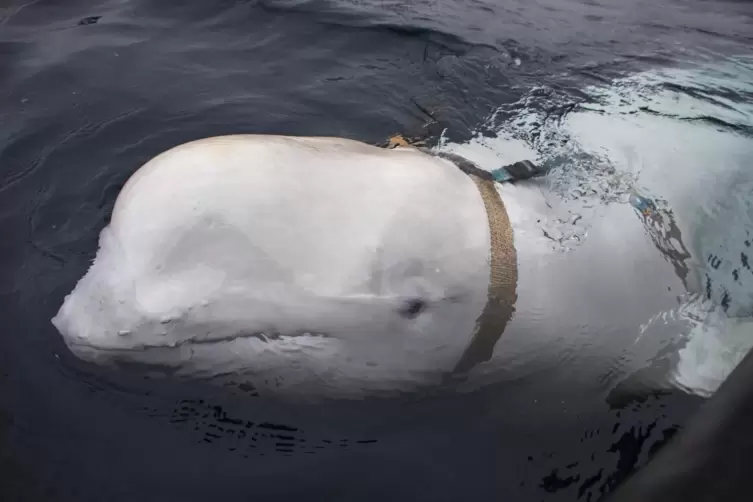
[
  {"x": 503, "y": 265},
  {"x": 503, "y": 280}
]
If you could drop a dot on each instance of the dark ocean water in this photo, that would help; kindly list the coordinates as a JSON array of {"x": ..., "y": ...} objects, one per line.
[{"x": 91, "y": 90}]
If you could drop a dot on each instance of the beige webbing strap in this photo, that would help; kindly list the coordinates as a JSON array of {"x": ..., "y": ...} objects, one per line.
[
  {"x": 503, "y": 277},
  {"x": 502, "y": 281}
]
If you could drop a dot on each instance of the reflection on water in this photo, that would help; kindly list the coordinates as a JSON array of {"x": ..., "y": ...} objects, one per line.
[{"x": 213, "y": 425}]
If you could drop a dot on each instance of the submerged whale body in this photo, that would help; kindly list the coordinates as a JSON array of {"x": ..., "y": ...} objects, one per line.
[{"x": 328, "y": 267}]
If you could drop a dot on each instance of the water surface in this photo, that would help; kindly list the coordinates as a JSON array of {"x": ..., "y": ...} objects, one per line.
[{"x": 617, "y": 97}]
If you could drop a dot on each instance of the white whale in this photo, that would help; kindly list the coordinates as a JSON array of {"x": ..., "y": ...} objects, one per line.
[{"x": 328, "y": 267}]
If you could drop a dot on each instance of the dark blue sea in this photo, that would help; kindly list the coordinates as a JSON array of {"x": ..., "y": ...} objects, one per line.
[{"x": 90, "y": 90}]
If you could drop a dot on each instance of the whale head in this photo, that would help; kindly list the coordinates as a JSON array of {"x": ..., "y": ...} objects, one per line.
[{"x": 369, "y": 277}]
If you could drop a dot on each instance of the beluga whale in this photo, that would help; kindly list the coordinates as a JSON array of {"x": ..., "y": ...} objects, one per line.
[{"x": 328, "y": 267}]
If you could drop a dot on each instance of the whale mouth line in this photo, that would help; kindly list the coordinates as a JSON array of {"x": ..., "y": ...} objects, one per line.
[{"x": 261, "y": 336}]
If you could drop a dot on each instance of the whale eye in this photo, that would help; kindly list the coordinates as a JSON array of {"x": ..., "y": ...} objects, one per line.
[{"x": 412, "y": 308}]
